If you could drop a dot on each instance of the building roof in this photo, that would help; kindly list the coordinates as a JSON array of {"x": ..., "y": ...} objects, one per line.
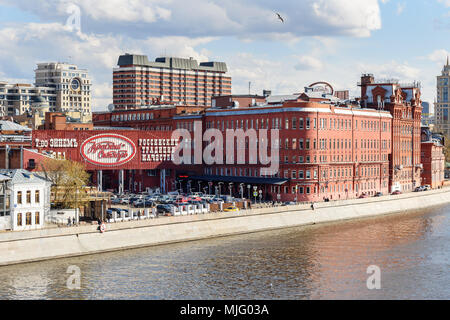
[
  {"x": 171, "y": 62},
  {"x": 19, "y": 176},
  {"x": 282, "y": 98},
  {"x": 12, "y": 126}
]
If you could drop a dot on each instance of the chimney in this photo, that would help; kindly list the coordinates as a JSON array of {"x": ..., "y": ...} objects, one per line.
[{"x": 367, "y": 79}]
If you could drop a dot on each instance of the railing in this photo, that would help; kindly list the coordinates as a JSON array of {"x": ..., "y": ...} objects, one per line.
[{"x": 9, "y": 138}]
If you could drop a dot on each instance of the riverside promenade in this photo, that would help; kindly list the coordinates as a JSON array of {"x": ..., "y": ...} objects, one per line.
[{"x": 50, "y": 243}]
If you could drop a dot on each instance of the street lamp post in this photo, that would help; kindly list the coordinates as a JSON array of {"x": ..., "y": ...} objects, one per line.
[
  {"x": 188, "y": 187},
  {"x": 220, "y": 188},
  {"x": 241, "y": 187},
  {"x": 296, "y": 193}
]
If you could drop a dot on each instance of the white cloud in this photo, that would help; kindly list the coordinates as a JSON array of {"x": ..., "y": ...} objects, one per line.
[
  {"x": 308, "y": 63},
  {"x": 196, "y": 18},
  {"x": 391, "y": 70},
  {"x": 439, "y": 56},
  {"x": 23, "y": 47}
]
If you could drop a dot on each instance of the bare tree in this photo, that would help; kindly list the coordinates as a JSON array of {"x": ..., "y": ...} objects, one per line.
[{"x": 69, "y": 180}]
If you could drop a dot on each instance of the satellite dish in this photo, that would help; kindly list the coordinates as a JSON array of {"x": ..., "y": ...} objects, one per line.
[
  {"x": 235, "y": 104},
  {"x": 111, "y": 107}
]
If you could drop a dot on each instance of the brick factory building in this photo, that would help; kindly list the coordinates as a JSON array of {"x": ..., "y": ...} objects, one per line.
[
  {"x": 327, "y": 148},
  {"x": 120, "y": 160},
  {"x": 138, "y": 82},
  {"x": 432, "y": 159},
  {"x": 404, "y": 104}
]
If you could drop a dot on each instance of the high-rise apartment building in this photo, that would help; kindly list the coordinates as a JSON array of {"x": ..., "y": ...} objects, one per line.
[
  {"x": 138, "y": 82},
  {"x": 72, "y": 85},
  {"x": 442, "y": 102}
]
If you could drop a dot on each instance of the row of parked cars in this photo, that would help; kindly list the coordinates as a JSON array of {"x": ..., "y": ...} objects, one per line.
[
  {"x": 164, "y": 203},
  {"x": 422, "y": 188}
]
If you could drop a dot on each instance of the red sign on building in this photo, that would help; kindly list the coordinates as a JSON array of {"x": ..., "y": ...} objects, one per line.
[{"x": 108, "y": 150}]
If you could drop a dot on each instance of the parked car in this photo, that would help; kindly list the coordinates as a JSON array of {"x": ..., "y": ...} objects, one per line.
[
  {"x": 426, "y": 187},
  {"x": 143, "y": 203},
  {"x": 116, "y": 201},
  {"x": 419, "y": 189},
  {"x": 163, "y": 209},
  {"x": 378, "y": 194},
  {"x": 362, "y": 196},
  {"x": 217, "y": 200},
  {"x": 231, "y": 209},
  {"x": 124, "y": 201},
  {"x": 396, "y": 192}
]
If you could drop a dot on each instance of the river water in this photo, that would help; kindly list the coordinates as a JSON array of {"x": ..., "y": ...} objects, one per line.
[{"x": 328, "y": 261}]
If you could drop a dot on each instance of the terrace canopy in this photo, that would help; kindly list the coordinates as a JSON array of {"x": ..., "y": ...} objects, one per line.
[{"x": 250, "y": 180}]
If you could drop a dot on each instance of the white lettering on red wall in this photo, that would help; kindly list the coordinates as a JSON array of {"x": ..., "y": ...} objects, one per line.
[
  {"x": 56, "y": 143},
  {"x": 155, "y": 150},
  {"x": 108, "y": 149}
]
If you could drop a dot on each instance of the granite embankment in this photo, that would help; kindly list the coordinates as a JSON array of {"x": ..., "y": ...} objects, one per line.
[{"x": 28, "y": 246}]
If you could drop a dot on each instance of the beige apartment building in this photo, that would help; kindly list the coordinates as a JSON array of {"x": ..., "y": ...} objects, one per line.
[{"x": 72, "y": 86}]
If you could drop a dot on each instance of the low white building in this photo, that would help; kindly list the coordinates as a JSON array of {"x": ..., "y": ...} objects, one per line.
[{"x": 27, "y": 198}]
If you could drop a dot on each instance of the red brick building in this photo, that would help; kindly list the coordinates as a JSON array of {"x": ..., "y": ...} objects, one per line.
[
  {"x": 404, "y": 104},
  {"x": 156, "y": 117},
  {"x": 432, "y": 159},
  {"x": 325, "y": 151},
  {"x": 119, "y": 160},
  {"x": 59, "y": 121}
]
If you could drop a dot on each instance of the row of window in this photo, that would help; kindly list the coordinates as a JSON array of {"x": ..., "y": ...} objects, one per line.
[
  {"x": 303, "y": 123},
  {"x": 367, "y": 186},
  {"x": 301, "y": 174},
  {"x": 37, "y": 198},
  {"x": 132, "y": 116},
  {"x": 28, "y": 219}
]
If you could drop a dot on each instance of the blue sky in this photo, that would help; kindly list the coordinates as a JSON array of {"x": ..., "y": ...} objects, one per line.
[{"x": 328, "y": 40}]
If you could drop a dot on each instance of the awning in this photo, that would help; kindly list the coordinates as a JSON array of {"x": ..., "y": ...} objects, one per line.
[{"x": 250, "y": 180}]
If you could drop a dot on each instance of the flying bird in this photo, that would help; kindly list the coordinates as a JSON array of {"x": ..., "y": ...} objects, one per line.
[{"x": 280, "y": 17}]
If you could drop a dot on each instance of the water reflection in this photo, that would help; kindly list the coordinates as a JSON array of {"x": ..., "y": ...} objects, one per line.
[{"x": 316, "y": 262}]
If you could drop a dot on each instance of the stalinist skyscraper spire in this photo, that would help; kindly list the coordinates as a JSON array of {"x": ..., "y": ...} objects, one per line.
[{"x": 442, "y": 103}]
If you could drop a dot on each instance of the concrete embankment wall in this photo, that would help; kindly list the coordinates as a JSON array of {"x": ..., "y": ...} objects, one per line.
[{"x": 27, "y": 246}]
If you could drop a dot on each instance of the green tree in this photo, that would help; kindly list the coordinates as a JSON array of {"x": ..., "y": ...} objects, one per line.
[
  {"x": 447, "y": 148},
  {"x": 69, "y": 180}
]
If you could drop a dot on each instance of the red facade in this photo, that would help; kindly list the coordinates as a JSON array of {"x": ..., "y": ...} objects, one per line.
[
  {"x": 433, "y": 161},
  {"x": 324, "y": 151}
]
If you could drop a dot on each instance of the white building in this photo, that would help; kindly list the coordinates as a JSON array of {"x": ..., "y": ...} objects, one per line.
[
  {"x": 27, "y": 198},
  {"x": 442, "y": 103},
  {"x": 17, "y": 99}
]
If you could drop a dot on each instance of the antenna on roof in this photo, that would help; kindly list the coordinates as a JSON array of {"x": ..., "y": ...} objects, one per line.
[{"x": 249, "y": 85}]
